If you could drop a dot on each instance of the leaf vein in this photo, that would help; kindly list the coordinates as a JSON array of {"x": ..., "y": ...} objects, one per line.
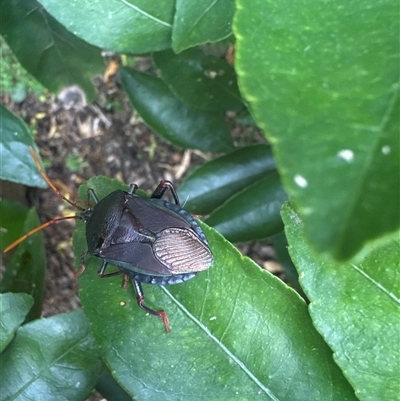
[
  {"x": 140, "y": 11},
  {"x": 48, "y": 366},
  {"x": 229, "y": 353},
  {"x": 201, "y": 16},
  {"x": 379, "y": 285}
]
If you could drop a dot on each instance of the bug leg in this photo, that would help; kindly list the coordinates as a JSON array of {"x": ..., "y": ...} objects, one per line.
[
  {"x": 83, "y": 263},
  {"x": 125, "y": 281},
  {"x": 103, "y": 268},
  {"x": 132, "y": 188},
  {"x": 92, "y": 194},
  {"x": 140, "y": 298},
  {"x": 162, "y": 187}
]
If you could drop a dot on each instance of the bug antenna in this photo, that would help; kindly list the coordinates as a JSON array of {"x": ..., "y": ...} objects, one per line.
[
  {"x": 47, "y": 179},
  {"x": 35, "y": 230}
]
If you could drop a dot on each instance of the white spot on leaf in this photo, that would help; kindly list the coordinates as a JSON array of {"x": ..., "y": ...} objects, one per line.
[
  {"x": 346, "y": 154},
  {"x": 300, "y": 181}
]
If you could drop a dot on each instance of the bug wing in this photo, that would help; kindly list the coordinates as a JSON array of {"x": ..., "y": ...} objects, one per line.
[
  {"x": 154, "y": 240},
  {"x": 135, "y": 257},
  {"x": 177, "y": 246},
  {"x": 152, "y": 214},
  {"x": 181, "y": 251},
  {"x": 131, "y": 245}
]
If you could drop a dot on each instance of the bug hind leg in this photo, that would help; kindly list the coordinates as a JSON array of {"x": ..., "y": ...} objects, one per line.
[{"x": 140, "y": 298}]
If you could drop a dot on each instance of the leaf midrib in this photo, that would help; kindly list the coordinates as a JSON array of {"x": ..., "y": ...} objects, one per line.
[{"x": 224, "y": 348}]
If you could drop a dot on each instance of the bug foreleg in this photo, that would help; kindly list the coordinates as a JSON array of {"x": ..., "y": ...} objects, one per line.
[{"x": 162, "y": 187}]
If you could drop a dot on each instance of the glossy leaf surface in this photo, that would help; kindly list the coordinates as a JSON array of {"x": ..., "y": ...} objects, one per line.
[
  {"x": 16, "y": 161},
  {"x": 51, "y": 359},
  {"x": 13, "y": 309},
  {"x": 356, "y": 308},
  {"x": 128, "y": 26},
  {"x": 48, "y": 51},
  {"x": 236, "y": 332},
  {"x": 13, "y": 216},
  {"x": 175, "y": 121},
  {"x": 205, "y": 82},
  {"x": 331, "y": 111},
  {"x": 212, "y": 183},
  {"x": 253, "y": 213},
  {"x": 200, "y": 22}
]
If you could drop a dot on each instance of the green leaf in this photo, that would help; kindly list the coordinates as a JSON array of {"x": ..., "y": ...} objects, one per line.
[
  {"x": 330, "y": 110},
  {"x": 237, "y": 332},
  {"x": 280, "y": 245},
  {"x": 356, "y": 307},
  {"x": 56, "y": 57},
  {"x": 16, "y": 161},
  {"x": 204, "y": 82},
  {"x": 13, "y": 216},
  {"x": 134, "y": 26},
  {"x": 211, "y": 184},
  {"x": 175, "y": 121},
  {"x": 201, "y": 22},
  {"x": 51, "y": 359},
  {"x": 13, "y": 309},
  {"x": 253, "y": 213},
  {"x": 14, "y": 79},
  {"x": 26, "y": 269}
]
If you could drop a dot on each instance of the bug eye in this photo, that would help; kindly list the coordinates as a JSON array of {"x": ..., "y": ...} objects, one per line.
[{"x": 100, "y": 242}]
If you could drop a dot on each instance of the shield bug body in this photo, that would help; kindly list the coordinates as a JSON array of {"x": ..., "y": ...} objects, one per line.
[{"x": 150, "y": 240}]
